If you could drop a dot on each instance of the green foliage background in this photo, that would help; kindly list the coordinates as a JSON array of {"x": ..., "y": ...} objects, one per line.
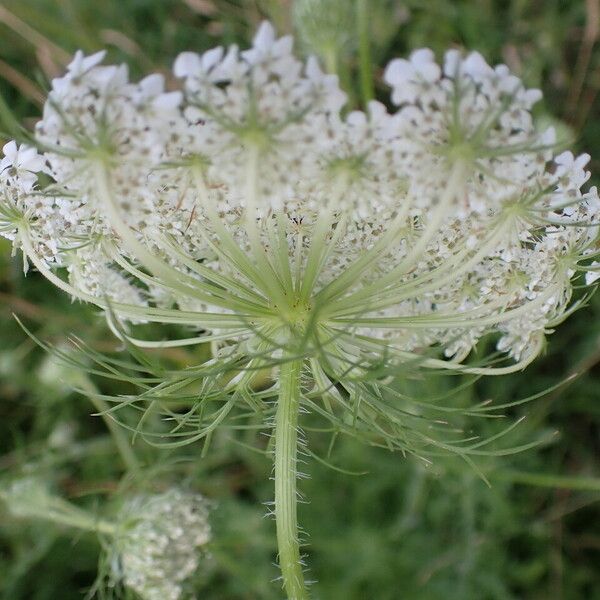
[{"x": 402, "y": 530}]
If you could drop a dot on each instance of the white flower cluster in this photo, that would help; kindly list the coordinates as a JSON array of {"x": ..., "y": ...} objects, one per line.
[
  {"x": 248, "y": 203},
  {"x": 159, "y": 541}
]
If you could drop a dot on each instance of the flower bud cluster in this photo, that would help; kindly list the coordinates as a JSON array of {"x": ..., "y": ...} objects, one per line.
[
  {"x": 248, "y": 200},
  {"x": 159, "y": 541}
]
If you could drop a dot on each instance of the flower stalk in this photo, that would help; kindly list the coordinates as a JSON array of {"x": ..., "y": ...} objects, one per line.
[
  {"x": 29, "y": 498},
  {"x": 286, "y": 475},
  {"x": 119, "y": 435},
  {"x": 364, "y": 51}
]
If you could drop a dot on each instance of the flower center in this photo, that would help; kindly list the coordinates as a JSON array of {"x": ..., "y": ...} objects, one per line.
[{"x": 296, "y": 316}]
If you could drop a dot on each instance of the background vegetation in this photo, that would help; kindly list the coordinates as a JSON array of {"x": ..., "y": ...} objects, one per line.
[{"x": 400, "y": 531}]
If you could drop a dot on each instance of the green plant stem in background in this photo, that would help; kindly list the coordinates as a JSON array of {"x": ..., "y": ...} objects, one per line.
[
  {"x": 9, "y": 125},
  {"x": 78, "y": 519},
  {"x": 584, "y": 484},
  {"x": 331, "y": 60},
  {"x": 364, "y": 52},
  {"x": 117, "y": 432},
  {"x": 48, "y": 507},
  {"x": 286, "y": 445}
]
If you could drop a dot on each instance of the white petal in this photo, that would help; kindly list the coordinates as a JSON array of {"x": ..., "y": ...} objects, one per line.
[
  {"x": 564, "y": 158},
  {"x": 265, "y": 36},
  {"x": 533, "y": 96},
  {"x": 75, "y": 64},
  {"x": 582, "y": 160},
  {"x": 591, "y": 277},
  {"x": 313, "y": 69},
  {"x": 229, "y": 67},
  {"x": 10, "y": 151},
  {"x": 422, "y": 56},
  {"x": 187, "y": 64},
  {"x": 430, "y": 72},
  {"x": 452, "y": 60},
  {"x": 377, "y": 110},
  {"x": 356, "y": 118},
  {"x": 398, "y": 72},
  {"x": 153, "y": 84},
  {"x": 81, "y": 63},
  {"x": 211, "y": 57},
  {"x": 476, "y": 66},
  {"x": 548, "y": 138},
  {"x": 283, "y": 46},
  {"x": 168, "y": 101},
  {"x": 27, "y": 157},
  {"x": 91, "y": 61},
  {"x": 502, "y": 71}
]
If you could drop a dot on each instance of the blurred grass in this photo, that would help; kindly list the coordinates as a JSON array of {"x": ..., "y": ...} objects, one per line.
[{"x": 402, "y": 530}]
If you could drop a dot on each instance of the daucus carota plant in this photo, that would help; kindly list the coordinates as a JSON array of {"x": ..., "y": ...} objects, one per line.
[{"x": 322, "y": 252}]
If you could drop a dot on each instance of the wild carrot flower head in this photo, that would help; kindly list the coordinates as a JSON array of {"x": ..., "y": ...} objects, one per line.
[
  {"x": 251, "y": 206},
  {"x": 322, "y": 251},
  {"x": 157, "y": 545}
]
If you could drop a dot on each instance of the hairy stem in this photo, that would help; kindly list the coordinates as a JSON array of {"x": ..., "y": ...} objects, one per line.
[{"x": 286, "y": 442}]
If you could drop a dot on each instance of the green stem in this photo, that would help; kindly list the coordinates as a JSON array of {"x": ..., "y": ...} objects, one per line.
[
  {"x": 584, "y": 484},
  {"x": 364, "y": 51},
  {"x": 57, "y": 510},
  {"x": 286, "y": 442},
  {"x": 120, "y": 438},
  {"x": 331, "y": 59},
  {"x": 80, "y": 520}
]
